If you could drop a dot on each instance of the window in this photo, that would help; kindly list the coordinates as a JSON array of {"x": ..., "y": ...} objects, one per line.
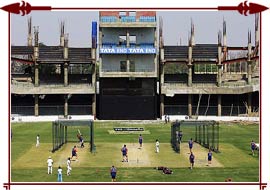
[
  {"x": 202, "y": 68},
  {"x": 132, "y": 40},
  {"x": 132, "y": 66},
  {"x": 122, "y": 40},
  {"x": 237, "y": 67},
  {"x": 122, "y": 13},
  {"x": 123, "y": 66},
  {"x": 132, "y": 13}
]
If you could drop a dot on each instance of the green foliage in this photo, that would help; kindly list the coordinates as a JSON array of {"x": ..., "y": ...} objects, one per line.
[
  {"x": 47, "y": 69},
  {"x": 175, "y": 69},
  {"x": 205, "y": 68}
]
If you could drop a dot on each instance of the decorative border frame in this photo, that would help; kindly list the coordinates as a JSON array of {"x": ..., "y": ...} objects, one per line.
[{"x": 25, "y": 8}]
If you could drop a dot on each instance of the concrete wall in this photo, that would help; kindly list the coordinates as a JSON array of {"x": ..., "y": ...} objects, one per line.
[
  {"x": 143, "y": 63},
  {"x": 112, "y": 62},
  {"x": 111, "y": 35}
]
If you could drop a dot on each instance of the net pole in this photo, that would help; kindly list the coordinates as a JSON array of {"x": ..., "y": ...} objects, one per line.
[
  {"x": 203, "y": 135},
  {"x": 196, "y": 133},
  {"x": 62, "y": 135},
  {"x": 200, "y": 133},
  {"x": 207, "y": 137},
  {"x": 92, "y": 136},
  {"x": 217, "y": 136},
  {"x": 65, "y": 134},
  {"x": 55, "y": 135},
  {"x": 53, "y": 124},
  {"x": 179, "y": 139},
  {"x": 213, "y": 137}
]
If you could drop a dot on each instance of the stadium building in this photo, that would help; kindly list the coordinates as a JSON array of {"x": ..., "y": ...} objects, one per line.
[{"x": 131, "y": 74}]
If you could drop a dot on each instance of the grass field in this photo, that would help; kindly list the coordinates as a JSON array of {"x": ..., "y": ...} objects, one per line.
[{"x": 28, "y": 163}]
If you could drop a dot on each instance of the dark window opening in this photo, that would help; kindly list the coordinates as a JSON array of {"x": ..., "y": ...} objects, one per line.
[
  {"x": 123, "y": 66},
  {"x": 122, "y": 40}
]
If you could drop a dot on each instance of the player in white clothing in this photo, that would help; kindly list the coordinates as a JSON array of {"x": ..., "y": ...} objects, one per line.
[
  {"x": 68, "y": 166},
  {"x": 37, "y": 144},
  {"x": 157, "y": 146},
  {"x": 50, "y": 164}
]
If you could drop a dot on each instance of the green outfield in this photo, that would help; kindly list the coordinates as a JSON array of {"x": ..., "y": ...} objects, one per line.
[{"x": 28, "y": 163}]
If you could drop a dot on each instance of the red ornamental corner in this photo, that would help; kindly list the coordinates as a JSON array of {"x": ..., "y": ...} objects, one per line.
[
  {"x": 253, "y": 8},
  {"x": 24, "y": 8}
]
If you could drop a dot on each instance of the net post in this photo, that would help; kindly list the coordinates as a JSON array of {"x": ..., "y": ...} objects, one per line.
[
  {"x": 53, "y": 124},
  {"x": 92, "y": 137},
  {"x": 213, "y": 137}
]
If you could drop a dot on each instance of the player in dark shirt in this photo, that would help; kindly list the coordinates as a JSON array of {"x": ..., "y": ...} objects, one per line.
[
  {"x": 253, "y": 147},
  {"x": 140, "y": 140},
  {"x": 180, "y": 135},
  {"x": 113, "y": 173},
  {"x": 191, "y": 160},
  {"x": 209, "y": 155},
  {"x": 190, "y": 144},
  {"x": 124, "y": 151}
]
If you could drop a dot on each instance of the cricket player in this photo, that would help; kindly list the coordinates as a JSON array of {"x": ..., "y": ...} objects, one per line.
[
  {"x": 209, "y": 155},
  {"x": 37, "y": 144},
  {"x": 50, "y": 164},
  {"x": 113, "y": 173},
  {"x": 253, "y": 147},
  {"x": 74, "y": 152},
  {"x": 191, "y": 160},
  {"x": 124, "y": 151},
  {"x": 190, "y": 145},
  {"x": 69, "y": 166},
  {"x": 59, "y": 175},
  {"x": 157, "y": 146},
  {"x": 140, "y": 140}
]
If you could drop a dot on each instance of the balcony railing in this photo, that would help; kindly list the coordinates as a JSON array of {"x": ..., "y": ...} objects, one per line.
[
  {"x": 241, "y": 83},
  {"x": 132, "y": 44},
  {"x": 124, "y": 71},
  {"x": 51, "y": 110},
  {"x": 233, "y": 110},
  {"x": 123, "y": 49},
  {"x": 109, "y": 19}
]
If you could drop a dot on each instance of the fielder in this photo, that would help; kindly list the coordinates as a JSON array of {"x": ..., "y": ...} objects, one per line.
[
  {"x": 69, "y": 166},
  {"x": 37, "y": 144},
  {"x": 157, "y": 146},
  {"x": 253, "y": 147},
  {"x": 50, "y": 164},
  {"x": 124, "y": 151},
  {"x": 59, "y": 175},
  {"x": 113, "y": 173},
  {"x": 191, "y": 160}
]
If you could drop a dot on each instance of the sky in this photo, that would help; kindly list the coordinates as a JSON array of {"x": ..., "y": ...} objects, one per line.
[{"x": 176, "y": 27}]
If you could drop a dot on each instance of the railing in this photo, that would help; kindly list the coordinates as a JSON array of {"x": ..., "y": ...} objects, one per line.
[
  {"x": 124, "y": 71},
  {"x": 203, "y": 84},
  {"x": 22, "y": 110},
  {"x": 176, "y": 110},
  {"x": 233, "y": 110},
  {"x": 124, "y": 45},
  {"x": 51, "y": 110},
  {"x": 51, "y": 85},
  {"x": 182, "y": 84},
  {"x": 124, "y": 91},
  {"x": 110, "y": 19},
  {"x": 79, "y": 109}
]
